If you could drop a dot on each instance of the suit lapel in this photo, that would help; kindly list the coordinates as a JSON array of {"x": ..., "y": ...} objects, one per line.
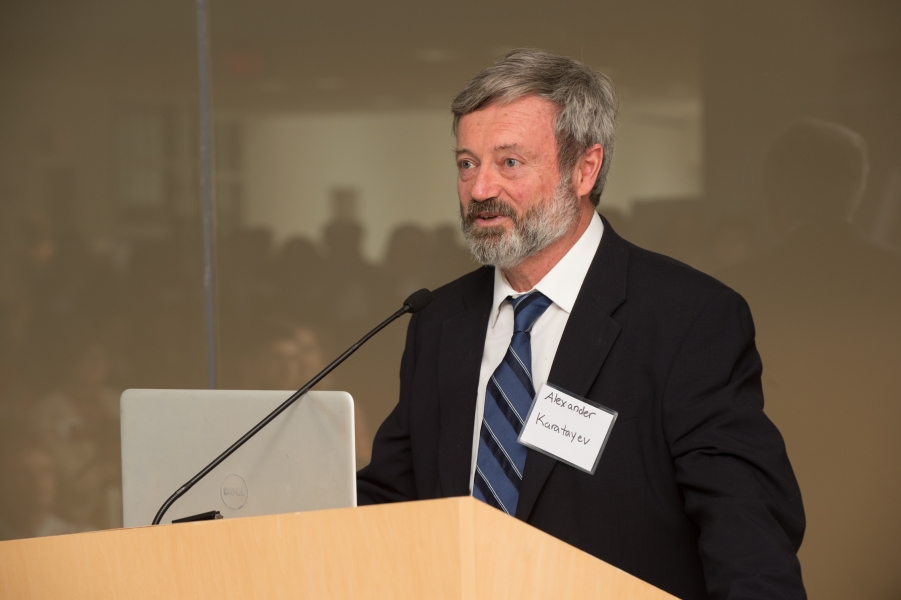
[
  {"x": 587, "y": 339},
  {"x": 460, "y": 360}
]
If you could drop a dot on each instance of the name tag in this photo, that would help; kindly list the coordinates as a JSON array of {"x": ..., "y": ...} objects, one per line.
[{"x": 571, "y": 429}]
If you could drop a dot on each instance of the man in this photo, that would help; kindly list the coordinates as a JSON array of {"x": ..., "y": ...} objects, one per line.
[{"x": 693, "y": 492}]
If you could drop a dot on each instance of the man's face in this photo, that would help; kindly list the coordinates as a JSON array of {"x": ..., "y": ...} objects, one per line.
[{"x": 513, "y": 202}]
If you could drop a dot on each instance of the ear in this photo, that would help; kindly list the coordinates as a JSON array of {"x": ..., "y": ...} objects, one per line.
[{"x": 587, "y": 168}]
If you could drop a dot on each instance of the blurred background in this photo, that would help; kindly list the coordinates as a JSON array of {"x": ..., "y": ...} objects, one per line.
[{"x": 759, "y": 142}]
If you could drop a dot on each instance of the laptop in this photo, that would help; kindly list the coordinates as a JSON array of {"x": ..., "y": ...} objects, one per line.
[{"x": 303, "y": 460}]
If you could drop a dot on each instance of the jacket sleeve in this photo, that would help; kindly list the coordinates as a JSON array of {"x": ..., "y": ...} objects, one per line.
[
  {"x": 730, "y": 459},
  {"x": 389, "y": 475}
]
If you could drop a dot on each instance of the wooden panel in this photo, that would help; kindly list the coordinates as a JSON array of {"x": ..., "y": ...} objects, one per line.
[
  {"x": 369, "y": 552},
  {"x": 519, "y": 561},
  {"x": 412, "y": 550}
]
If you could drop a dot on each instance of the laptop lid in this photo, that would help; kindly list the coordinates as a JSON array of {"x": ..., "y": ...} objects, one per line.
[{"x": 303, "y": 460}]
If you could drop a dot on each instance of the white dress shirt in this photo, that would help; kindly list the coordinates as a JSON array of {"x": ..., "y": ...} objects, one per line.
[{"x": 561, "y": 285}]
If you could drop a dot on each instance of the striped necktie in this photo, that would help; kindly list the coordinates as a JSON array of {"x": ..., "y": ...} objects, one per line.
[{"x": 501, "y": 460}]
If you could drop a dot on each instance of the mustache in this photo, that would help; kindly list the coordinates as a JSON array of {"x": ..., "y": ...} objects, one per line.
[{"x": 491, "y": 205}]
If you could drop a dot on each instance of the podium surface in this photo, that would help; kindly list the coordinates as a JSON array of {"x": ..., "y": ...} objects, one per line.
[{"x": 451, "y": 548}]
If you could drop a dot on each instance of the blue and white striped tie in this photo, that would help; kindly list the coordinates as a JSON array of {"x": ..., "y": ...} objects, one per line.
[{"x": 501, "y": 459}]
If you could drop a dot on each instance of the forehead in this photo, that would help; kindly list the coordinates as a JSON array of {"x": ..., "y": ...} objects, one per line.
[{"x": 527, "y": 122}]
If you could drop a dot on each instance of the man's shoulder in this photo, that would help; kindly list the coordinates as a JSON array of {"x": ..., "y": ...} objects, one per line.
[
  {"x": 663, "y": 281},
  {"x": 652, "y": 278}
]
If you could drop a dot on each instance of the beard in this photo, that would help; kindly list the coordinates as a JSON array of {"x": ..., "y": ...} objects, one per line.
[{"x": 537, "y": 228}]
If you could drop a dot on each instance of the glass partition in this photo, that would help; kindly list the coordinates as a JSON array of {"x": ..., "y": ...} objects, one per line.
[{"x": 100, "y": 250}]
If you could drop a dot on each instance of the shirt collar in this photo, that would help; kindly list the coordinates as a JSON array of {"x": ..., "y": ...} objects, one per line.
[{"x": 563, "y": 282}]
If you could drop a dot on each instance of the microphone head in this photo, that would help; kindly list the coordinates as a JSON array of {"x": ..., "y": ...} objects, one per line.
[{"x": 418, "y": 300}]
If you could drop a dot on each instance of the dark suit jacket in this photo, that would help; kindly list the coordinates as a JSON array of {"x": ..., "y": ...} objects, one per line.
[{"x": 694, "y": 492}]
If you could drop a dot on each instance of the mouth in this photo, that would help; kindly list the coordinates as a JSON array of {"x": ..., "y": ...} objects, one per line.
[
  {"x": 489, "y": 213},
  {"x": 489, "y": 218}
]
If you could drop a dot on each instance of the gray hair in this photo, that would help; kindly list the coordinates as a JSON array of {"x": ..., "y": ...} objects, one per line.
[{"x": 586, "y": 101}]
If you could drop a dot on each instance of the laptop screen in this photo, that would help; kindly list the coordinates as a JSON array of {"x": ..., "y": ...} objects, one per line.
[{"x": 303, "y": 460}]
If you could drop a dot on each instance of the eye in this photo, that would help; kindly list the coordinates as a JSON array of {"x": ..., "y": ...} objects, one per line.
[
  {"x": 510, "y": 162},
  {"x": 465, "y": 164}
]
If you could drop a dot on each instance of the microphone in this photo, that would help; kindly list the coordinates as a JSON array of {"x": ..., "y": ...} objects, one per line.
[{"x": 413, "y": 304}]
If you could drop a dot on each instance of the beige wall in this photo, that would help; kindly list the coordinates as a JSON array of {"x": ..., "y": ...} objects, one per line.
[{"x": 402, "y": 165}]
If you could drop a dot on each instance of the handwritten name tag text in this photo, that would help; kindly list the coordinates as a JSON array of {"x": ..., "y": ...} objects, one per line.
[
  {"x": 567, "y": 427},
  {"x": 567, "y": 433}
]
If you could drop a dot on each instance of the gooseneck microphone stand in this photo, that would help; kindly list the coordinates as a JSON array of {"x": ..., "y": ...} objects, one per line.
[{"x": 414, "y": 303}]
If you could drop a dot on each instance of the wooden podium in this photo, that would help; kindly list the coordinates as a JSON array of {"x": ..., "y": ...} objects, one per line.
[{"x": 453, "y": 548}]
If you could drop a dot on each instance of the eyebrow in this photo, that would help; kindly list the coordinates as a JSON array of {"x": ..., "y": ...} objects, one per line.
[
  {"x": 460, "y": 151},
  {"x": 508, "y": 147}
]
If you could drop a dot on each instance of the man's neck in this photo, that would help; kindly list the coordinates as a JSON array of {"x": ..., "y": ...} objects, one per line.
[{"x": 526, "y": 275}]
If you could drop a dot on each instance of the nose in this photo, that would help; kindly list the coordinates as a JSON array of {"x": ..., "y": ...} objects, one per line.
[{"x": 485, "y": 185}]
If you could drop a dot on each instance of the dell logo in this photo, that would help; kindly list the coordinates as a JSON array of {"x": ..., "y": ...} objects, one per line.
[{"x": 233, "y": 491}]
